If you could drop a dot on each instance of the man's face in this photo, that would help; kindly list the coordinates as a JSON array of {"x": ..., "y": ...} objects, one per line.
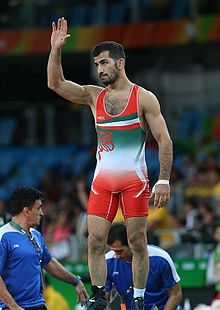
[
  {"x": 107, "y": 68},
  {"x": 122, "y": 252},
  {"x": 35, "y": 214}
]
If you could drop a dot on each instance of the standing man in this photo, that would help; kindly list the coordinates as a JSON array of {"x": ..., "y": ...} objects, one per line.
[
  {"x": 23, "y": 254},
  {"x": 123, "y": 113},
  {"x": 163, "y": 291}
]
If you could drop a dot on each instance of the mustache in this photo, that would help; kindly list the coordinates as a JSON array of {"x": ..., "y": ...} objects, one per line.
[{"x": 102, "y": 75}]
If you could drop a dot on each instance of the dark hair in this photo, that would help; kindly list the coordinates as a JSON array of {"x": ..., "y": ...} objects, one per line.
[
  {"x": 118, "y": 232},
  {"x": 116, "y": 50},
  {"x": 22, "y": 197}
]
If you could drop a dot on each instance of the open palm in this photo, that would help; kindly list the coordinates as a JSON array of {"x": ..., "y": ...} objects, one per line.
[{"x": 59, "y": 33}]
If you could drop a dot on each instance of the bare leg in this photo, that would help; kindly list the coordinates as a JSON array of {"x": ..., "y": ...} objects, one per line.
[
  {"x": 137, "y": 239},
  {"x": 98, "y": 229}
]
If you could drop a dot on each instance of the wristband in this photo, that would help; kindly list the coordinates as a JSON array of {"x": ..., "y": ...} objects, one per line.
[
  {"x": 162, "y": 182},
  {"x": 76, "y": 280}
]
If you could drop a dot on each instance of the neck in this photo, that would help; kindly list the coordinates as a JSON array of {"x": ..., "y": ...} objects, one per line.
[
  {"x": 21, "y": 222},
  {"x": 121, "y": 84}
]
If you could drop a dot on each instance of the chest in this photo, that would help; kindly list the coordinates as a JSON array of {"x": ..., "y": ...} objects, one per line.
[
  {"x": 116, "y": 104},
  {"x": 21, "y": 249}
]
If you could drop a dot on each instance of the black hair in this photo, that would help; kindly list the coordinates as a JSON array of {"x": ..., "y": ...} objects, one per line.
[
  {"x": 118, "y": 232},
  {"x": 116, "y": 50},
  {"x": 24, "y": 196}
]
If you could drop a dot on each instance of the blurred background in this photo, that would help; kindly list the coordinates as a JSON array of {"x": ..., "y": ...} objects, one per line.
[{"x": 173, "y": 49}]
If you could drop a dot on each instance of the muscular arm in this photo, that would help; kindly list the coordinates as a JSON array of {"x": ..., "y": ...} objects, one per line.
[
  {"x": 175, "y": 296},
  {"x": 6, "y": 297},
  {"x": 151, "y": 116},
  {"x": 56, "y": 81}
]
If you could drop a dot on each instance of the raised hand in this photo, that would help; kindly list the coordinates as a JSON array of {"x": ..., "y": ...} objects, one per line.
[{"x": 59, "y": 33}]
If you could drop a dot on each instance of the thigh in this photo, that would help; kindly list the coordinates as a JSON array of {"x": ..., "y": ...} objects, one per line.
[
  {"x": 103, "y": 203},
  {"x": 135, "y": 200}
]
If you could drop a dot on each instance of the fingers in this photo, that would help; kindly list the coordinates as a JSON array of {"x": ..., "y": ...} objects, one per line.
[
  {"x": 64, "y": 25},
  {"x": 53, "y": 26},
  {"x": 61, "y": 25},
  {"x": 66, "y": 37},
  {"x": 85, "y": 295},
  {"x": 152, "y": 195},
  {"x": 81, "y": 292},
  {"x": 160, "y": 200},
  {"x": 82, "y": 296},
  {"x": 161, "y": 195}
]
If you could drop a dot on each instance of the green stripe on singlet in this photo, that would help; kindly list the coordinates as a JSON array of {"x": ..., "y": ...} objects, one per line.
[{"x": 118, "y": 119}]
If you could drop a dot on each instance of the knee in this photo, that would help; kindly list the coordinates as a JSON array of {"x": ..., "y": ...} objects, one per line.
[
  {"x": 137, "y": 242},
  {"x": 96, "y": 244}
]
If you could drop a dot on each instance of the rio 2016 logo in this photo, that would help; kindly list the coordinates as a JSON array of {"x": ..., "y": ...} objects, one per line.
[{"x": 105, "y": 142}]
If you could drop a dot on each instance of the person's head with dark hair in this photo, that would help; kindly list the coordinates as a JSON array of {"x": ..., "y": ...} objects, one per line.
[
  {"x": 115, "y": 49},
  {"x": 26, "y": 206},
  {"x": 109, "y": 58},
  {"x": 118, "y": 232},
  {"x": 22, "y": 197},
  {"x": 118, "y": 242}
]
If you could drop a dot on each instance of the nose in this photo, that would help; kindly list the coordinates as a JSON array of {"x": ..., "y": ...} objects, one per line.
[{"x": 99, "y": 70}]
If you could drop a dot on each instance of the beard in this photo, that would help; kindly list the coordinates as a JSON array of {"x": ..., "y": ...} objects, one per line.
[{"x": 111, "y": 78}]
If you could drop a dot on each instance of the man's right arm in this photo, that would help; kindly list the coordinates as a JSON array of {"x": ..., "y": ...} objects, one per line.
[
  {"x": 175, "y": 297},
  {"x": 6, "y": 297},
  {"x": 56, "y": 81},
  {"x": 67, "y": 89}
]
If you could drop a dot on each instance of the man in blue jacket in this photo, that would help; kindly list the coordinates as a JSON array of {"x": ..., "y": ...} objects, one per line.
[
  {"x": 23, "y": 254},
  {"x": 163, "y": 291}
]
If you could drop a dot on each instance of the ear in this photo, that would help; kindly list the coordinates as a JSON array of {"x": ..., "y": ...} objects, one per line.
[
  {"x": 25, "y": 211},
  {"x": 121, "y": 63}
]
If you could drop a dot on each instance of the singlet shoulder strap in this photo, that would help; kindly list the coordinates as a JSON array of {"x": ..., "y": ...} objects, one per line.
[{"x": 101, "y": 95}]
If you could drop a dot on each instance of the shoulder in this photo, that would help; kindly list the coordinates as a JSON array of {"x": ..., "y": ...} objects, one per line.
[
  {"x": 155, "y": 251},
  {"x": 110, "y": 255},
  {"x": 147, "y": 99},
  {"x": 5, "y": 229},
  {"x": 36, "y": 233},
  {"x": 94, "y": 91},
  {"x": 161, "y": 261},
  {"x": 111, "y": 259},
  {"x": 143, "y": 92}
]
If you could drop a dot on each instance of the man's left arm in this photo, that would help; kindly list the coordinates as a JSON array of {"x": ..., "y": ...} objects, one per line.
[
  {"x": 55, "y": 269},
  {"x": 175, "y": 297},
  {"x": 151, "y": 113}
]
